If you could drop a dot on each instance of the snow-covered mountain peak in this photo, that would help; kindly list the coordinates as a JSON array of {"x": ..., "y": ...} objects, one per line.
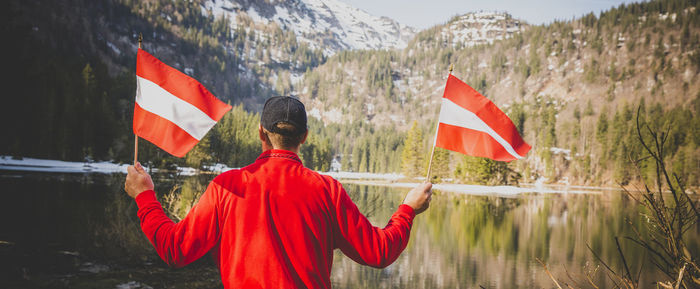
[
  {"x": 331, "y": 25},
  {"x": 480, "y": 28}
]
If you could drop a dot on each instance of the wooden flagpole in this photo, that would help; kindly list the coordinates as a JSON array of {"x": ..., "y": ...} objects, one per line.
[
  {"x": 432, "y": 152},
  {"x": 136, "y": 137}
]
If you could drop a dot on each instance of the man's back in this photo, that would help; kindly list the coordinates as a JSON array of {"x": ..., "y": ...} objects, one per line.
[
  {"x": 274, "y": 224},
  {"x": 279, "y": 218}
]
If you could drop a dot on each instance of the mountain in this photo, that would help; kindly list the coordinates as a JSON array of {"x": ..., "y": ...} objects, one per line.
[
  {"x": 243, "y": 51},
  {"x": 388, "y": 85},
  {"x": 330, "y": 25},
  {"x": 77, "y": 60},
  {"x": 571, "y": 87},
  {"x": 479, "y": 28}
]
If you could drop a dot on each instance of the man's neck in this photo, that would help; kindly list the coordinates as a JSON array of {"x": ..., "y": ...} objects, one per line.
[{"x": 266, "y": 147}]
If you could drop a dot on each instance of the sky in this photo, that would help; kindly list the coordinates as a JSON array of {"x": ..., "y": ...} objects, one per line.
[{"x": 427, "y": 13}]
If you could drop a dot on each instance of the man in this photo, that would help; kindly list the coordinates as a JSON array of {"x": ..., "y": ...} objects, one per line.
[{"x": 274, "y": 223}]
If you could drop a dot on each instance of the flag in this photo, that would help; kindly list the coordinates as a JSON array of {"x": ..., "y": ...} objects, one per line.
[
  {"x": 172, "y": 111},
  {"x": 471, "y": 124}
]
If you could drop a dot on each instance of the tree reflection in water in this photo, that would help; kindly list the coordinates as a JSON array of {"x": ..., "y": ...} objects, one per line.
[{"x": 467, "y": 241}]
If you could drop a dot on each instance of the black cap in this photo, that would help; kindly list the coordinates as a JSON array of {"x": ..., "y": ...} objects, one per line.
[{"x": 283, "y": 109}]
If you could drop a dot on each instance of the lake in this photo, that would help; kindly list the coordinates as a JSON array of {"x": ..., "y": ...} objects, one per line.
[{"x": 81, "y": 231}]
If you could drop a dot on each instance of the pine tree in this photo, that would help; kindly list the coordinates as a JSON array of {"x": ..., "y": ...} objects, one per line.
[
  {"x": 412, "y": 154},
  {"x": 199, "y": 155},
  {"x": 602, "y": 128},
  {"x": 356, "y": 156},
  {"x": 475, "y": 170},
  {"x": 364, "y": 157},
  {"x": 589, "y": 108},
  {"x": 86, "y": 110},
  {"x": 346, "y": 159},
  {"x": 441, "y": 165}
]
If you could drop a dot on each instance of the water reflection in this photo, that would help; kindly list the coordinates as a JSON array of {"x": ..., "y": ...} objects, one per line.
[
  {"x": 460, "y": 242},
  {"x": 471, "y": 241}
]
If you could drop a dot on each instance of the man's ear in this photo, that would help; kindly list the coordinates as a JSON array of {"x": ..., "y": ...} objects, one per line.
[
  {"x": 303, "y": 140},
  {"x": 261, "y": 133}
]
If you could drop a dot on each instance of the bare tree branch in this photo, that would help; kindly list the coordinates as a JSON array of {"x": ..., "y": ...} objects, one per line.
[{"x": 548, "y": 273}]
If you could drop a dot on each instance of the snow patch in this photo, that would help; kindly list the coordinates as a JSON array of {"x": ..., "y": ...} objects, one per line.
[
  {"x": 331, "y": 116},
  {"x": 480, "y": 28},
  {"x": 44, "y": 165},
  {"x": 558, "y": 151},
  {"x": 133, "y": 285},
  {"x": 363, "y": 176},
  {"x": 479, "y": 190},
  {"x": 114, "y": 48},
  {"x": 313, "y": 21},
  {"x": 90, "y": 267},
  {"x": 314, "y": 112},
  {"x": 256, "y": 16},
  {"x": 296, "y": 78}
]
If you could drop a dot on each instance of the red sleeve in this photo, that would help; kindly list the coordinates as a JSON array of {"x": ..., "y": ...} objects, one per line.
[
  {"x": 367, "y": 244},
  {"x": 180, "y": 244}
]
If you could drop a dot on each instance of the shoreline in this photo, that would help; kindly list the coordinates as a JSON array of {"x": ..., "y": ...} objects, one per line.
[
  {"x": 483, "y": 190},
  {"x": 8, "y": 163}
]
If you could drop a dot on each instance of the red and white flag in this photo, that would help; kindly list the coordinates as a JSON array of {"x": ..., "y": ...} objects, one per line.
[
  {"x": 173, "y": 110},
  {"x": 471, "y": 124}
]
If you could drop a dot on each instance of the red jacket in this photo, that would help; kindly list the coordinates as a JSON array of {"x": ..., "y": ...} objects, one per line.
[{"x": 274, "y": 224}]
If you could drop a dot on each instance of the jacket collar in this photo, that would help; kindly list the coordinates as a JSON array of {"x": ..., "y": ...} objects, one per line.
[{"x": 275, "y": 153}]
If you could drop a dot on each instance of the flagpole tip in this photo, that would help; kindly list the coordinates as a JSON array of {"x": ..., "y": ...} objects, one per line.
[
  {"x": 140, "y": 39},
  {"x": 452, "y": 66}
]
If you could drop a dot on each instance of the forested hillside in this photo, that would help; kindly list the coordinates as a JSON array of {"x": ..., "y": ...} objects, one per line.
[
  {"x": 572, "y": 87},
  {"x": 73, "y": 80}
]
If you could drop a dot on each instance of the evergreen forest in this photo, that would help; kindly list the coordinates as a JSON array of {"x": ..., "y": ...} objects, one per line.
[{"x": 574, "y": 88}]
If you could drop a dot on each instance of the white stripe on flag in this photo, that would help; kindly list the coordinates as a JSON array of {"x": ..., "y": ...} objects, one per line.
[
  {"x": 159, "y": 101},
  {"x": 453, "y": 114}
]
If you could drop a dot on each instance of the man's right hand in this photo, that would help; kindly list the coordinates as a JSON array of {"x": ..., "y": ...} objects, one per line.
[
  {"x": 137, "y": 180},
  {"x": 419, "y": 197}
]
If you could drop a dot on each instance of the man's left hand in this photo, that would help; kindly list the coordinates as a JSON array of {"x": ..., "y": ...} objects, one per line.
[{"x": 137, "y": 180}]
